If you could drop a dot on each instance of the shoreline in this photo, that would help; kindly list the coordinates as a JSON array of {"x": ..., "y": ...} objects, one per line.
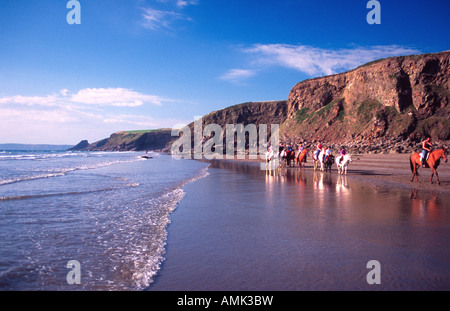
[{"x": 382, "y": 170}]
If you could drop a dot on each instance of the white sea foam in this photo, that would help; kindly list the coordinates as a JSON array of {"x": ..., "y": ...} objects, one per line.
[
  {"x": 55, "y": 172},
  {"x": 114, "y": 220},
  {"x": 148, "y": 254}
]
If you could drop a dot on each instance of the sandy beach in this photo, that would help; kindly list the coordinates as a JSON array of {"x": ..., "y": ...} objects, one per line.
[
  {"x": 241, "y": 228},
  {"x": 393, "y": 170}
]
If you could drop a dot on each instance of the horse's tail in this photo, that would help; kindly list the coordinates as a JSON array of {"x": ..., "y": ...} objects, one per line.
[{"x": 412, "y": 165}]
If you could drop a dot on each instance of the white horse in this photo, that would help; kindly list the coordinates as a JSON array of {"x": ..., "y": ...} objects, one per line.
[
  {"x": 342, "y": 166},
  {"x": 319, "y": 160},
  {"x": 272, "y": 160},
  {"x": 269, "y": 155}
]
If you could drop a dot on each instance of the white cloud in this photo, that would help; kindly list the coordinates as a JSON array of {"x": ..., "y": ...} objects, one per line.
[
  {"x": 49, "y": 100},
  {"x": 318, "y": 61},
  {"x": 118, "y": 97},
  {"x": 33, "y": 116},
  {"x": 185, "y": 3},
  {"x": 67, "y": 117},
  {"x": 64, "y": 92},
  {"x": 235, "y": 75},
  {"x": 155, "y": 19}
]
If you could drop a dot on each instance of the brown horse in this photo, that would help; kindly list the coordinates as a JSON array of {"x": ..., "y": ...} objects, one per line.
[
  {"x": 301, "y": 158},
  {"x": 432, "y": 162}
]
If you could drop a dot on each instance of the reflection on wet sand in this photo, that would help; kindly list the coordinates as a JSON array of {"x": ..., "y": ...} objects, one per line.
[
  {"x": 286, "y": 175},
  {"x": 342, "y": 186},
  {"x": 329, "y": 224},
  {"x": 351, "y": 196},
  {"x": 427, "y": 205}
]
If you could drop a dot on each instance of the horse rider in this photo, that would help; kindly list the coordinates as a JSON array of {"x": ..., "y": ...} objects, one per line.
[
  {"x": 300, "y": 149},
  {"x": 319, "y": 148},
  {"x": 343, "y": 153},
  {"x": 288, "y": 150},
  {"x": 327, "y": 154},
  {"x": 280, "y": 149},
  {"x": 269, "y": 153},
  {"x": 426, "y": 145}
]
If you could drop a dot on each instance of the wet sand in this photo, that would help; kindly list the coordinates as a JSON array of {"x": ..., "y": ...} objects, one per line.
[
  {"x": 241, "y": 228},
  {"x": 393, "y": 170}
]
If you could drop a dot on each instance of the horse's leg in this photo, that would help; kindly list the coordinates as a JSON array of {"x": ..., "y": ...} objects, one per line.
[
  {"x": 413, "y": 172},
  {"x": 416, "y": 169},
  {"x": 433, "y": 171}
]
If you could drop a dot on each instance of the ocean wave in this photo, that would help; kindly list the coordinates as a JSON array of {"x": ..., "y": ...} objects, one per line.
[
  {"x": 123, "y": 232},
  {"x": 34, "y": 196},
  {"x": 27, "y": 178},
  {"x": 35, "y": 156},
  {"x": 149, "y": 264},
  {"x": 55, "y": 172}
]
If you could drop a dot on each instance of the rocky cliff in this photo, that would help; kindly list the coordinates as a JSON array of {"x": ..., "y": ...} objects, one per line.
[
  {"x": 397, "y": 99},
  {"x": 130, "y": 141},
  {"x": 257, "y": 113},
  {"x": 388, "y": 105},
  {"x": 80, "y": 146},
  {"x": 271, "y": 112}
]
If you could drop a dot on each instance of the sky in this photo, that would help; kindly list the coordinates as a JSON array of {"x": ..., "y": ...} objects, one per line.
[{"x": 146, "y": 64}]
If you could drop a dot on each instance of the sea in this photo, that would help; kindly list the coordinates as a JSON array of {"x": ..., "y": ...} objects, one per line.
[{"x": 107, "y": 212}]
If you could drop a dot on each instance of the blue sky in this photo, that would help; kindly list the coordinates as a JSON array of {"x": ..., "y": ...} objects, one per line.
[{"x": 142, "y": 64}]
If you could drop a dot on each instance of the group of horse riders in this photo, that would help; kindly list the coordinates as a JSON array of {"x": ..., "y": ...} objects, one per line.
[
  {"x": 326, "y": 152},
  {"x": 426, "y": 158},
  {"x": 286, "y": 151}
]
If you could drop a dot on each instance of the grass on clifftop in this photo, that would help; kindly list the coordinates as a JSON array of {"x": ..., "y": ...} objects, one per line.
[{"x": 144, "y": 131}]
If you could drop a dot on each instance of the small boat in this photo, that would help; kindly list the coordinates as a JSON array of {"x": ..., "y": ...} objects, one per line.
[{"x": 147, "y": 157}]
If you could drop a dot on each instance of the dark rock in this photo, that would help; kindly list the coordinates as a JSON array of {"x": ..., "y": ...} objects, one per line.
[{"x": 80, "y": 146}]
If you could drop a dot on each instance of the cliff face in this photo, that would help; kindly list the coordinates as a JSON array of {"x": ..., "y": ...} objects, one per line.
[
  {"x": 80, "y": 146},
  {"x": 398, "y": 97},
  {"x": 273, "y": 112},
  {"x": 386, "y": 104},
  {"x": 133, "y": 141},
  {"x": 257, "y": 113}
]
